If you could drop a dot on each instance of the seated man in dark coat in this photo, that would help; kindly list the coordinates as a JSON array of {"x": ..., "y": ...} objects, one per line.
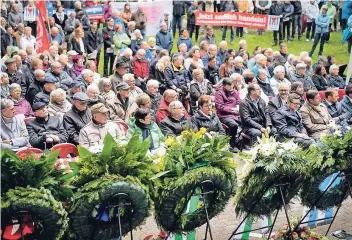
[
  {"x": 45, "y": 131},
  {"x": 279, "y": 100},
  {"x": 48, "y": 87},
  {"x": 289, "y": 124},
  {"x": 335, "y": 109},
  {"x": 78, "y": 117},
  {"x": 347, "y": 99},
  {"x": 255, "y": 114},
  {"x": 176, "y": 122}
]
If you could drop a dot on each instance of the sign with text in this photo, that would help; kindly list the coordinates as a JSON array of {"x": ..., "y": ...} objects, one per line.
[{"x": 257, "y": 21}]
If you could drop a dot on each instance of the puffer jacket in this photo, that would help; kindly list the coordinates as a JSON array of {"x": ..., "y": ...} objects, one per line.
[
  {"x": 306, "y": 80},
  {"x": 176, "y": 77},
  {"x": 336, "y": 81},
  {"x": 37, "y": 128},
  {"x": 74, "y": 121},
  {"x": 140, "y": 68},
  {"x": 172, "y": 127},
  {"x": 211, "y": 123}
]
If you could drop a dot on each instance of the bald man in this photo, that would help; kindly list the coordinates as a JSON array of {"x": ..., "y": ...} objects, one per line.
[{"x": 55, "y": 35}]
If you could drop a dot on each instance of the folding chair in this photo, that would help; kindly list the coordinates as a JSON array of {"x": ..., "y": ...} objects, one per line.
[
  {"x": 25, "y": 153},
  {"x": 66, "y": 150}
]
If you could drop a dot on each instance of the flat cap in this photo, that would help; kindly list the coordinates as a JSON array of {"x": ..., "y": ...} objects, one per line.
[
  {"x": 72, "y": 53},
  {"x": 98, "y": 108},
  {"x": 121, "y": 64},
  {"x": 80, "y": 96},
  {"x": 10, "y": 60},
  {"x": 38, "y": 105},
  {"x": 122, "y": 86},
  {"x": 280, "y": 59},
  {"x": 76, "y": 84}
]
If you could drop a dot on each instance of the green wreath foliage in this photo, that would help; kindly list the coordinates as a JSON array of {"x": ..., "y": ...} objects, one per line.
[
  {"x": 191, "y": 159},
  {"x": 98, "y": 191},
  {"x": 40, "y": 202}
]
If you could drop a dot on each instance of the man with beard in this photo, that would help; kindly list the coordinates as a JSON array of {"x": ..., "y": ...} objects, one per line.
[{"x": 15, "y": 76}]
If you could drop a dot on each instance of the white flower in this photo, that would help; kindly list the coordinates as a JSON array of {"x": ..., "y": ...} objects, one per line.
[
  {"x": 289, "y": 146},
  {"x": 267, "y": 149},
  {"x": 245, "y": 169}
]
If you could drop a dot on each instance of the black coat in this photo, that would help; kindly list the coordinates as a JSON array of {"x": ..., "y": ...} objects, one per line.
[
  {"x": 336, "y": 82},
  {"x": 107, "y": 36},
  {"x": 212, "y": 74},
  {"x": 276, "y": 9},
  {"x": 94, "y": 41},
  {"x": 76, "y": 46},
  {"x": 19, "y": 78},
  {"x": 289, "y": 123},
  {"x": 211, "y": 123},
  {"x": 74, "y": 121},
  {"x": 320, "y": 82},
  {"x": 177, "y": 78},
  {"x": 6, "y": 41},
  {"x": 172, "y": 127},
  {"x": 42, "y": 96},
  {"x": 195, "y": 92},
  {"x": 273, "y": 105},
  {"x": 266, "y": 87},
  {"x": 178, "y": 8},
  {"x": 253, "y": 117},
  {"x": 57, "y": 21},
  {"x": 155, "y": 101},
  {"x": 38, "y": 126},
  {"x": 34, "y": 88}
]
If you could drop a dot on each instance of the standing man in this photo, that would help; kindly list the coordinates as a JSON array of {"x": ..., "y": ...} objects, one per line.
[
  {"x": 164, "y": 39},
  {"x": 277, "y": 9},
  {"x": 108, "y": 33},
  {"x": 178, "y": 12},
  {"x": 297, "y": 19},
  {"x": 141, "y": 20},
  {"x": 322, "y": 30},
  {"x": 94, "y": 40},
  {"x": 229, "y": 6},
  {"x": 192, "y": 19}
]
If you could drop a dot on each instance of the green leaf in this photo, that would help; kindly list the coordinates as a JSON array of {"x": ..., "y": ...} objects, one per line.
[
  {"x": 84, "y": 153},
  {"x": 179, "y": 170},
  {"x": 160, "y": 174},
  {"x": 109, "y": 143},
  {"x": 67, "y": 176}
]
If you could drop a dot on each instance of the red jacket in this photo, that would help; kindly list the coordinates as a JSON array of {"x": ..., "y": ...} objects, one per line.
[
  {"x": 140, "y": 67},
  {"x": 163, "y": 112}
]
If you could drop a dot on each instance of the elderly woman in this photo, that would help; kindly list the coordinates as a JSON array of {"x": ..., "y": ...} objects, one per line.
[
  {"x": 105, "y": 89},
  {"x": 176, "y": 122},
  {"x": 134, "y": 90},
  {"x": 131, "y": 27},
  {"x": 15, "y": 16},
  {"x": 13, "y": 133},
  {"x": 160, "y": 72},
  {"x": 91, "y": 65},
  {"x": 22, "y": 106},
  {"x": 143, "y": 124},
  {"x": 58, "y": 104},
  {"x": 203, "y": 48},
  {"x": 4, "y": 85},
  {"x": 205, "y": 117},
  {"x": 121, "y": 40},
  {"x": 194, "y": 57},
  {"x": 279, "y": 77},
  {"x": 78, "y": 67},
  {"x": 136, "y": 43},
  {"x": 335, "y": 79},
  {"x": 199, "y": 86},
  {"x": 260, "y": 63}
]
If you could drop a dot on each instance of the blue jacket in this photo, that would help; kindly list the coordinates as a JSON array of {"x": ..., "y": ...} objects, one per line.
[
  {"x": 221, "y": 55},
  {"x": 205, "y": 60},
  {"x": 347, "y": 9},
  {"x": 164, "y": 40},
  {"x": 322, "y": 23},
  {"x": 346, "y": 104},
  {"x": 187, "y": 41}
]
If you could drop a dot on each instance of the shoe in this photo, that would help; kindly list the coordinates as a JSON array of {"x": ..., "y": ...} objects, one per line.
[
  {"x": 307, "y": 40},
  {"x": 274, "y": 44},
  {"x": 299, "y": 38},
  {"x": 234, "y": 150}
]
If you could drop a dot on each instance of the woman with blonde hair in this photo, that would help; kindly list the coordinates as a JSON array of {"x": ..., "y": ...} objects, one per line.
[
  {"x": 77, "y": 42},
  {"x": 126, "y": 14},
  {"x": 160, "y": 72},
  {"x": 58, "y": 104},
  {"x": 120, "y": 39}
]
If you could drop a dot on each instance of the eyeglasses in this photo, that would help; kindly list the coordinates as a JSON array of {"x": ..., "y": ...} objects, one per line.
[{"x": 283, "y": 90}]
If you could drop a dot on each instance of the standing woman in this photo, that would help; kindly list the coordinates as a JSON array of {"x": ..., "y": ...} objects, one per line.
[
  {"x": 322, "y": 30},
  {"x": 60, "y": 17},
  {"x": 77, "y": 42},
  {"x": 32, "y": 24},
  {"x": 126, "y": 14},
  {"x": 331, "y": 13},
  {"x": 121, "y": 40},
  {"x": 15, "y": 17},
  {"x": 288, "y": 11}
]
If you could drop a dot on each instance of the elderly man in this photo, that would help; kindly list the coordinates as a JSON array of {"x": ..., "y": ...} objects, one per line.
[
  {"x": 182, "y": 49},
  {"x": 63, "y": 60},
  {"x": 334, "y": 78},
  {"x": 139, "y": 66},
  {"x": 121, "y": 107},
  {"x": 36, "y": 86},
  {"x": 141, "y": 20},
  {"x": 289, "y": 66},
  {"x": 308, "y": 61},
  {"x": 121, "y": 69},
  {"x": 264, "y": 83},
  {"x": 94, "y": 96},
  {"x": 136, "y": 42},
  {"x": 93, "y": 134},
  {"x": 278, "y": 60},
  {"x": 238, "y": 65},
  {"x": 316, "y": 117},
  {"x": 15, "y": 76},
  {"x": 279, "y": 100},
  {"x": 63, "y": 80},
  {"x": 289, "y": 124},
  {"x": 176, "y": 75},
  {"x": 53, "y": 54},
  {"x": 227, "y": 103},
  {"x": 255, "y": 114},
  {"x": 153, "y": 93},
  {"x": 48, "y": 87},
  {"x": 55, "y": 35},
  {"x": 279, "y": 77},
  {"x": 222, "y": 51},
  {"x": 176, "y": 122},
  {"x": 134, "y": 90},
  {"x": 302, "y": 77},
  {"x": 126, "y": 58},
  {"x": 164, "y": 38},
  {"x": 152, "y": 46},
  {"x": 168, "y": 97},
  {"x": 45, "y": 131},
  {"x": 13, "y": 134},
  {"x": 27, "y": 38},
  {"x": 52, "y": 24},
  {"x": 75, "y": 87},
  {"x": 77, "y": 117},
  {"x": 212, "y": 51},
  {"x": 335, "y": 109},
  {"x": 209, "y": 36}
]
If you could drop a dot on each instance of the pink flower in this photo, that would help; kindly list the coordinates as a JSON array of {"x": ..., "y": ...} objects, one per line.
[
  {"x": 303, "y": 235},
  {"x": 307, "y": 229},
  {"x": 294, "y": 235},
  {"x": 286, "y": 226}
]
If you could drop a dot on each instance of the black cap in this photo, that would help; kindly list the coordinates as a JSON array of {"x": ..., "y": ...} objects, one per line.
[
  {"x": 76, "y": 84},
  {"x": 121, "y": 64},
  {"x": 280, "y": 59},
  {"x": 50, "y": 79},
  {"x": 80, "y": 96},
  {"x": 38, "y": 105},
  {"x": 122, "y": 86}
]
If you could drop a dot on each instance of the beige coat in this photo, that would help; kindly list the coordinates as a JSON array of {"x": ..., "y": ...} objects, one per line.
[
  {"x": 315, "y": 119},
  {"x": 117, "y": 112}
]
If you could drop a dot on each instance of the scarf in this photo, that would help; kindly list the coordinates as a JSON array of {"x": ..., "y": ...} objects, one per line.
[
  {"x": 77, "y": 70},
  {"x": 146, "y": 133}
]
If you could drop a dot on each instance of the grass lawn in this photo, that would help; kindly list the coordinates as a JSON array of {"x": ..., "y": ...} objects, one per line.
[{"x": 295, "y": 47}]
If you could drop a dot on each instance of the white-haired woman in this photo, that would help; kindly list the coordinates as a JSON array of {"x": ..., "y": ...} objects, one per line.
[
  {"x": 58, "y": 104},
  {"x": 105, "y": 89},
  {"x": 160, "y": 72},
  {"x": 136, "y": 43},
  {"x": 22, "y": 106}
]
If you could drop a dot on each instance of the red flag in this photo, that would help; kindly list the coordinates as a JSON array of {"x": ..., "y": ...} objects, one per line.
[
  {"x": 40, "y": 4},
  {"x": 42, "y": 35}
]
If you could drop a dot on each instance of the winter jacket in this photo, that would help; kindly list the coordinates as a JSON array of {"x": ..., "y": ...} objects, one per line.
[
  {"x": 336, "y": 81},
  {"x": 288, "y": 11},
  {"x": 15, "y": 131},
  {"x": 306, "y": 80},
  {"x": 74, "y": 121},
  {"x": 297, "y": 5},
  {"x": 37, "y": 128},
  {"x": 119, "y": 111},
  {"x": 210, "y": 122},
  {"x": 252, "y": 116},
  {"x": 225, "y": 102},
  {"x": 347, "y": 103},
  {"x": 275, "y": 104},
  {"x": 164, "y": 40},
  {"x": 59, "y": 110},
  {"x": 178, "y": 8},
  {"x": 347, "y": 9},
  {"x": 162, "y": 111},
  {"x": 176, "y": 77},
  {"x": 266, "y": 87},
  {"x": 322, "y": 23},
  {"x": 191, "y": 14},
  {"x": 337, "y": 112},
  {"x": 7, "y": 40},
  {"x": 121, "y": 43},
  {"x": 321, "y": 82},
  {"x": 42, "y": 96},
  {"x": 155, "y": 101},
  {"x": 212, "y": 74},
  {"x": 136, "y": 45},
  {"x": 108, "y": 37},
  {"x": 34, "y": 88},
  {"x": 196, "y": 91},
  {"x": 140, "y": 68},
  {"x": 22, "y": 106},
  {"x": 94, "y": 41},
  {"x": 276, "y": 9},
  {"x": 187, "y": 41},
  {"x": 172, "y": 127},
  {"x": 312, "y": 11},
  {"x": 115, "y": 80},
  {"x": 62, "y": 81},
  {"x": 93, "y": 134},
  {"x": 14, "y": 19},
  {"x": 140, "y": 18},
  {"x": 315, "y": 119},
  {"x": 19, "y": 78},
  {"x": 289, "y": 123}
]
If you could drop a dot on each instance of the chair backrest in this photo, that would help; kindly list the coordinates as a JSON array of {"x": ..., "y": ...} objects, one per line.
[
  {"x": 341, "y": 93},
  {"x": 123, "y": 126},
  {"x": 24, "y": 153},
  {"x": 322, "y": 95},
  {"x": 27, "y": 119},
  {"x": 65, "y": 150}
]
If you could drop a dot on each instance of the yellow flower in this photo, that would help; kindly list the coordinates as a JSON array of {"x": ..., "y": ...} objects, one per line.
[
  {"x": 202, "y": 131},
  {"x": 169, "y": 141},
  {"x": 183, "y": 133}
]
